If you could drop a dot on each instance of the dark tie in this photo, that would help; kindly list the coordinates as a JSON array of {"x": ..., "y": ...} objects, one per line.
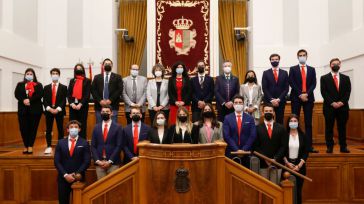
[
  {"x": 134, "y": 90},
  {"x": 228, "y": 88},
  {"x": 201, "y": 82},
  {"x": 106, "y": 87}
]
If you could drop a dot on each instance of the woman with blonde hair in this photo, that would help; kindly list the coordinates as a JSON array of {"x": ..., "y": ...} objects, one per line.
[{"x": 183, "y": 131}]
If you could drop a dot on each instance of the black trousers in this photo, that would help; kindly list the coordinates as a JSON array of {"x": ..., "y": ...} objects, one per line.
[
  {"x": 49, "y": 125},
  {"x": 196, "y": 115},
  {"x": 28, "y": 125},
  {"x": 152, "y": 115},
  {"x": 280, "y": 113},
  {"x": 223, "y": 111},
  {"x": 299, "y": 181},
  {"x": 64, "y": 191},
  {"x": 307, "y": 111},
  {"x": 341, "y": 116},
  {"x": 80, "y": 116},
  {"x": 129, "y": 120}
]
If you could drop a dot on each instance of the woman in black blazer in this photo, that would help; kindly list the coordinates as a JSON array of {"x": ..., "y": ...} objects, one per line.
[
  {"x": 183, "y": 131},
  {"x": 78, "y": 97},
  {"x": 159, "y": 131},
  {"x": 29, "y": 93},
  {"x": 296, "y": 152}
]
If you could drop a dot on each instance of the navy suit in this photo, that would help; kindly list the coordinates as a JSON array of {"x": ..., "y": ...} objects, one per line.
[
  {"x": 273, "y": 90},
  {"x": 204, "y": 92},
  {"x": 112, "y": 145},
  {"x": 295, "y": 81},
  {"x": 65, "y": 164},
  {"x": 128, "y": 140},
  {"x": 225, "y": 90}
]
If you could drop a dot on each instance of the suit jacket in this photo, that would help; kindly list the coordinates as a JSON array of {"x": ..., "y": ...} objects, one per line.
[
  {"x": 186, "y": 91},
  {"x": 191, "y": 138},
  {"x": 330, "y": 93},
  {"x": 272, "y": 89},
  {"x": 152, "y": 94},
  {"x": 86, "y": 88},
  {"x": 128, "y": 140},
  {"x": 215, "y": 135},
  {"x": 221, "y": 87},
  {"x": 61, "y": 97},
  {"x": 295, "y": 81},
  {"x": 141, "y": 92},
  {"x": 230, "y": 132},
  {"x": 35, "y": 101},
  {"x": 274, "y": 147},
  {"x": 302, "y": 150},
  {"x": 112, "y": 145},
  {"x": 154, "y": 137},
  {"x": 201, "y": 93},
  {"x": 115, "y": 90},
  {"x": 256, "y": 98},
  {"x": 78, "y": 163}
]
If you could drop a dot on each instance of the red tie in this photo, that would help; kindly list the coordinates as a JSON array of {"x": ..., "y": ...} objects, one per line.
[
  {"x": 275, "y": 74},
  {"x": 303, "y": 75},
  {"x": 105, "y": 137},
  {"x": 336, "y": 82},
  {"x": 269, "y": 130},
  {"x": 54, "y": 94},
  {"x": 72, "y": 146},
  {"x": 136, "y": 132},
  {"x": 239, "y": 128}
]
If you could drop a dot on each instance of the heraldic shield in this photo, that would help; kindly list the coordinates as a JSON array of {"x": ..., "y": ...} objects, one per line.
[{"x": 182, "y": 39}]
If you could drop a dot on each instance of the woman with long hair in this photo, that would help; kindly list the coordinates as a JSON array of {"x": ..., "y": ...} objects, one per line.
[
  {"x": 252, "y": 94},
  {"x": 159, "y": 131},
  {"x": 183, "y": 131},
  {"x": 210, "y": 129}
]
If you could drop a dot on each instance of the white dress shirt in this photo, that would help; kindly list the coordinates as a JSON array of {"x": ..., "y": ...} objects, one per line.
[
  {"x": 70, "y": 142},
  {"x": 58, "y": 108},
  {"x": 108, "y": 125},
  {"x": 337, "y": 76},
  {"x": 293, "y": 146}
]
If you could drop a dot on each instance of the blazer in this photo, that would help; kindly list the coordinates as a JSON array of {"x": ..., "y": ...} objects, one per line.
[
  {"x": 141, "y": 83},
  {"x": 186, "y": 91},
  {"x": 61, "y": 97},
  {"x": 329, "y": 92},
  {"x": 215, "y": 135},
  {"x": 230, "y": 132},
  {"x": 256, "y": 98},
  {"x": 115, "y": 90},
  {"x": 154, "y": 137},
  {"x": 191, "y": 138},
  {"x": 302, "y": 150},
  {"x": 201, "y": 93},
  {"x": 152, "y": 94},
  {"x": 78, "y": 163},
  {"x": 112, "y": 145},
  {"x": 221, "y": 85},
  {"x": 274, "y": 147},
  {"x": 128, "y": 140},
  {"x": 272, "y": 89},
  {"x": 35, "y": 102},
  {"x": 86, "y": 88},
  {"x": 295, "y": 81}
]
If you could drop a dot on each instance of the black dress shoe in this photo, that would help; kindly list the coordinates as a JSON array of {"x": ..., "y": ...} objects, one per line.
[
  {"x": 329, "y": 150},
  {"x": 312, "y": 150},
  {"x": 344, "y": 150},
  {"x": 25, "y": 151}
]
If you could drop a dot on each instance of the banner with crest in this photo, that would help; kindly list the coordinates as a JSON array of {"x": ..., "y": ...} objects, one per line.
[{"x": 183, "y": 32}]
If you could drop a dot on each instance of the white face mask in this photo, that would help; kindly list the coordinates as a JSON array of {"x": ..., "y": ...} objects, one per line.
[
  {"x": 293, "y": 125},
  {"x": 238, "y": 107},
  {"x": 29, "y": 77},
  {"x": 55, "y": 77},
  {"x": 227, "y": 69},
  {"x": 302, "y": 60},
  {"x": 134, "y": 72},
  {"x": 161, "y": 122},
  {"x": 158, "y": 73},
  {"x": 179, "y": 70},
  {"x": 73, "y": 132}
]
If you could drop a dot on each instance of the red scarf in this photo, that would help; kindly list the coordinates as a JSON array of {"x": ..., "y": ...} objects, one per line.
[
  {"x": 77, "y": 88},
  {"x": 30, "y": 88}
]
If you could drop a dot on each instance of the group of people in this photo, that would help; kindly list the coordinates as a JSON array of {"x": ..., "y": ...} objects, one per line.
[{"x": 238, "y": 121}]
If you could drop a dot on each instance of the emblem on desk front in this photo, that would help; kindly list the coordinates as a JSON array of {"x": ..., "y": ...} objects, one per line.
[{"x": 182, "y": 182}]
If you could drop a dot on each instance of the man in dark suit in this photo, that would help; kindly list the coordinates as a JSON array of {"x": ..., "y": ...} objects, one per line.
[
  {"x": 106, "y": 89},
  {"x": 335, "y": 89},
  {"x": 271, "y": 137},
  {"x": 226, "y": 87},
  {"x": 275, "y": 86},
  {"x": 135, "y": 132},
  {"x": 202, "y": 88},
  {"x": 71, "y": 158},
  {"x": 54, "y": 102},
  {"x": 106, "y": 144},
  {"x": 239, "y": 130},
  {"x": 302, "y": 79}
]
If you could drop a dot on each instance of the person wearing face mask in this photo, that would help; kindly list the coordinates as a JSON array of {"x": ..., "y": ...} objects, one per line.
[
  {"x": 134, "y": 132},
  {"x": 239, "y": 130},
  {"x": 202, "y": 91},
  {"x": 157, "y": 92},
  {"x": 275, "y": 85},
  {"x": 252, "y": 94},
  {"x": 296, "y": 153},
  {"x": 302, "y": 79},
  {"x": 159, "y": 130},
  {"x": 271, "y": 137},
  {"x": 78, "y": 97},
  {"x": 54, "y": 102},
  {"x": 184, "y": 131},
  {"x": 106, "y": 143},
  {"x": 71, "y": 158},
  {"x": 335, "y": 89},
  {"x": 134, "y": 92},
  {"x": 29, "y": 93},
  {"x": 106, "y": 89},
  {"x": 210, "y": 129},
  {"x": 226, "y": 87},
  {"x": 179, "y": 90}
]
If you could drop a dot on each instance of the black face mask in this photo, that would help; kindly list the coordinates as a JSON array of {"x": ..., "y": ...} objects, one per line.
[
  {"x": 79, "y": 72},
  {"x": 105, "y": 116},
  {"x": 335, "y": 68},
  {"x": 201, "y": 69},
  {"x": 183, "y": 119},
  {"x": 208, "y": 114},
  {"x": 250, "y": 79},
  {"x": 268, "y": 116},
  {"x": 107, "y": 67},
  {"x": 274, "y": 63},
  {"x": 135, "y": 118}
]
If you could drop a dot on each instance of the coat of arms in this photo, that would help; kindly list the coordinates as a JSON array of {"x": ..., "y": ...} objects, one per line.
[{"x": 182, "y": 39}]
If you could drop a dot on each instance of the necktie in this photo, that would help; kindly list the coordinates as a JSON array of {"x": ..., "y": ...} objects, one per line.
[
  {"x": 275, "y": 74},
  {"x": 269, "y": 130},
  {"x": 228, "y": 88},
  {"x": 303, "y": 75},
  {"x": 239, "y": 128},
  {"x": 201, "y": 82},
  {"x": 135, "y": 136},
  {"x": 72, "y": 146},
  {"x": 54, "y": 94},
  {"x": 106, "y": 131},
  {"x": 336, "y": 82},
  {"x": 106, "y": 87},
  {"x": 134, "y": 90}
]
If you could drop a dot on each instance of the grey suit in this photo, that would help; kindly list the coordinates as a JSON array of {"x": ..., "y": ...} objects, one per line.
[
  {"x": 255, "y": 100},
  {"x": 216, "y": 134},
  {"x": 141, "y": 85},
  {"x": 152, "y": 94}
]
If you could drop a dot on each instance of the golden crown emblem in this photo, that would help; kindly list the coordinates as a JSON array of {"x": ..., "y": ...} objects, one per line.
[{"x": 182, "y": 23}]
